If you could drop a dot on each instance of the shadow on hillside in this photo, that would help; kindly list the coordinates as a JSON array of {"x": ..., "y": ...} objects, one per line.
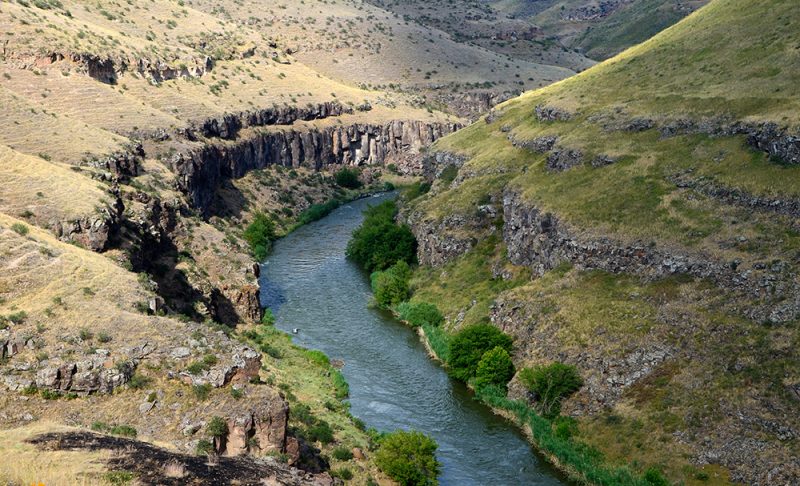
[{"x": 153, "y": 465}]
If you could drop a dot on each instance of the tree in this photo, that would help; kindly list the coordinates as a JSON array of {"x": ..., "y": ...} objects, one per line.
[
  {"x": 409, "y": 458},
  {"x": 259, "y": 235},
  {"x": 348, "y": 178},
  {"x": 494, "y": 368},
  {"x": 391, "y": 286},
  {"x": 550, "y": 384},
  {"x": 379, "y": 242},
  {"x": 469, "y": 345}
]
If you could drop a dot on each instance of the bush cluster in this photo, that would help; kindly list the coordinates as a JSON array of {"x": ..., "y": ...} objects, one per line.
[
  {"x": 348, "y": 178},
  {"x": 408, "y": 458},
  {"x": 390, "y": 287},
  {"x": 316, "y": 212},
  {"x": 550, "y": 384},
  {"x": 468, "y": 347},
  {"x": 379, "y": 242},
  {"x": 259, "y": 235},
  {"x": 420, "y": 313}
]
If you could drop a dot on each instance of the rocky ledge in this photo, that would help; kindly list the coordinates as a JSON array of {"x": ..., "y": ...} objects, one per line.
[{"x": 541, "y": 241}]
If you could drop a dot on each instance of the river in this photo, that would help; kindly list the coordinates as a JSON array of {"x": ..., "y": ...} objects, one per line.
[{"x": 310, "y": 285}]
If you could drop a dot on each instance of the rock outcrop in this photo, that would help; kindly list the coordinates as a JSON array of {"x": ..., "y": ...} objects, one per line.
[
  {"x": 541, "y": 241},
  {"x": 228, "y": 125},
  {"x": 257, "y": 429},
  {"x": 107, "y": 69},
  {"x": 200, "y": 171}
]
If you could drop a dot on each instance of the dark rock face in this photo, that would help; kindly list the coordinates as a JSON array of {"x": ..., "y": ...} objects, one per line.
[
  {"x": 95, "y": 231},
  {"x": 200, "y": 171},
  {"x": 229, "y": 125},
  {"x": 562, "y": 159},
  {"x": 540, "y": 241},
  {"x": 439, "y": 242}
]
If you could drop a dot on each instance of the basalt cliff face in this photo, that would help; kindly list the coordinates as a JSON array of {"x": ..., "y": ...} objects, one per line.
[{"x": 200, "y": 171}]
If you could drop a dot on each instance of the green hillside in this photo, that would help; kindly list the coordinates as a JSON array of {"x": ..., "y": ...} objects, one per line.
[{"x": 656, "y": 196}]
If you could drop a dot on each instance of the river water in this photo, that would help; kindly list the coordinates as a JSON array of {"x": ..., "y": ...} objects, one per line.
[{"x": 310, "y": 285}]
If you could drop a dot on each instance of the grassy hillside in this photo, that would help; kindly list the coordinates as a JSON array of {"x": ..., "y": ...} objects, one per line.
[
  {"x": 597, "y": 29},
  {"x": 649, "y": 154}
]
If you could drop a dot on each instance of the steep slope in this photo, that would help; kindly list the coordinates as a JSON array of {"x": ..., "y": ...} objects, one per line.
[
  {"x": 138, "y": 141},
  {"x": 639, "y": 221},
  {"x": 600, "y": 29}
]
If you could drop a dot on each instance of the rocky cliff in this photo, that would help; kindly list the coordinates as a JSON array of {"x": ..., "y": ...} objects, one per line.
[{"x": 200, "y": 171}]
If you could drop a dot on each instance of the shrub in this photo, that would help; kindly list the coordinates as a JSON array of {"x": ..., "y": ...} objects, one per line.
[
  {"x": 408, "y": 458},
  {"x": 391, "y": 286},
  {"x": 416, "y": 190},
  {"x": 420, "y": 313},
  {"x": 320, "y": 432},
  {"x": 217, "y": 427},
  {"x": 343, "y": 473},
  {"x": 468, "y": 346},
  {"x": 348, "y": 178},
  {"x": 654, "y": 477},
  {"x": 494, "y": 368},
  {"x": 201, "y": 392},
  {"x": 20, "y": 229},
  {"x": 268, "y": 319},
  {"x": 204, "y": 446},
  {"x": 123, "y": 430},
  {"x": 317, "y": 211},
  {"x": 379, "y": 243},
  {"x": 342, "y": 454},
  {"x": 138, "y": 381},
  {"x": 259, "y": 235},
  {"x": 550, "y": 384}
]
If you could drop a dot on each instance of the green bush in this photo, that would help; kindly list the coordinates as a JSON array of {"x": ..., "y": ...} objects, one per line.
[
  {"x": 317, "y": 211},
  {"x": 268, "y": 319},
  {"x": 123, "y": 430},
  {"x": 654, "y": 477},
  {"x": 201, "y": 392},
  {"x": 320, "y": 432},
  {"x": 468, "y": 346},
  {"x": 343, "y": 473},
  {"x": 408, "y": 458},
  {"x": 204, "y": 446},
  {"x": 217, "y": 427},
  {"x": 348, "y": 178},
  {"x": 550, "y": 384},
  {"x": 379, "y": 243},
  {"x": 342, "y": 454},
  {"x": 420, "y": 313},
  {"x": 138, "y": 381},
  {"x": 391, "y": 286},
  {"x": 260, "y": 235},
  {"x": 416, "y": 190},
  {"x": 20, "y": 229},
  {"x": 494, "y": 368}
]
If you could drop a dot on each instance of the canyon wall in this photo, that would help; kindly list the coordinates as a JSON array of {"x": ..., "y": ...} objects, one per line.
[{"x": 201, "y": 170}]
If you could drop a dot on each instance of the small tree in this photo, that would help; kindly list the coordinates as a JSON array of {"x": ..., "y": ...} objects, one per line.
[
  {"x": 217, "y": 427},
  {"x": 348, "y": 178},
  {"x": 468, "y": 346},
  {"x": 391, "y": 286},
  {"x": 259, "y": 235},
  {"x": 494, "y": 368},
  {"x": 409, "y": 458},
  {"x": 550, "y": 384}
]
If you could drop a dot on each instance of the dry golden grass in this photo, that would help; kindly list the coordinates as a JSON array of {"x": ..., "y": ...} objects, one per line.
[
  {"x": 25, "y": 464},
  {"x": 45, "y": 192}
]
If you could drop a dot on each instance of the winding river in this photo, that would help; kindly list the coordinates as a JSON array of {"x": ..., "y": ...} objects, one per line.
[{"x": 310, "y": 285}]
